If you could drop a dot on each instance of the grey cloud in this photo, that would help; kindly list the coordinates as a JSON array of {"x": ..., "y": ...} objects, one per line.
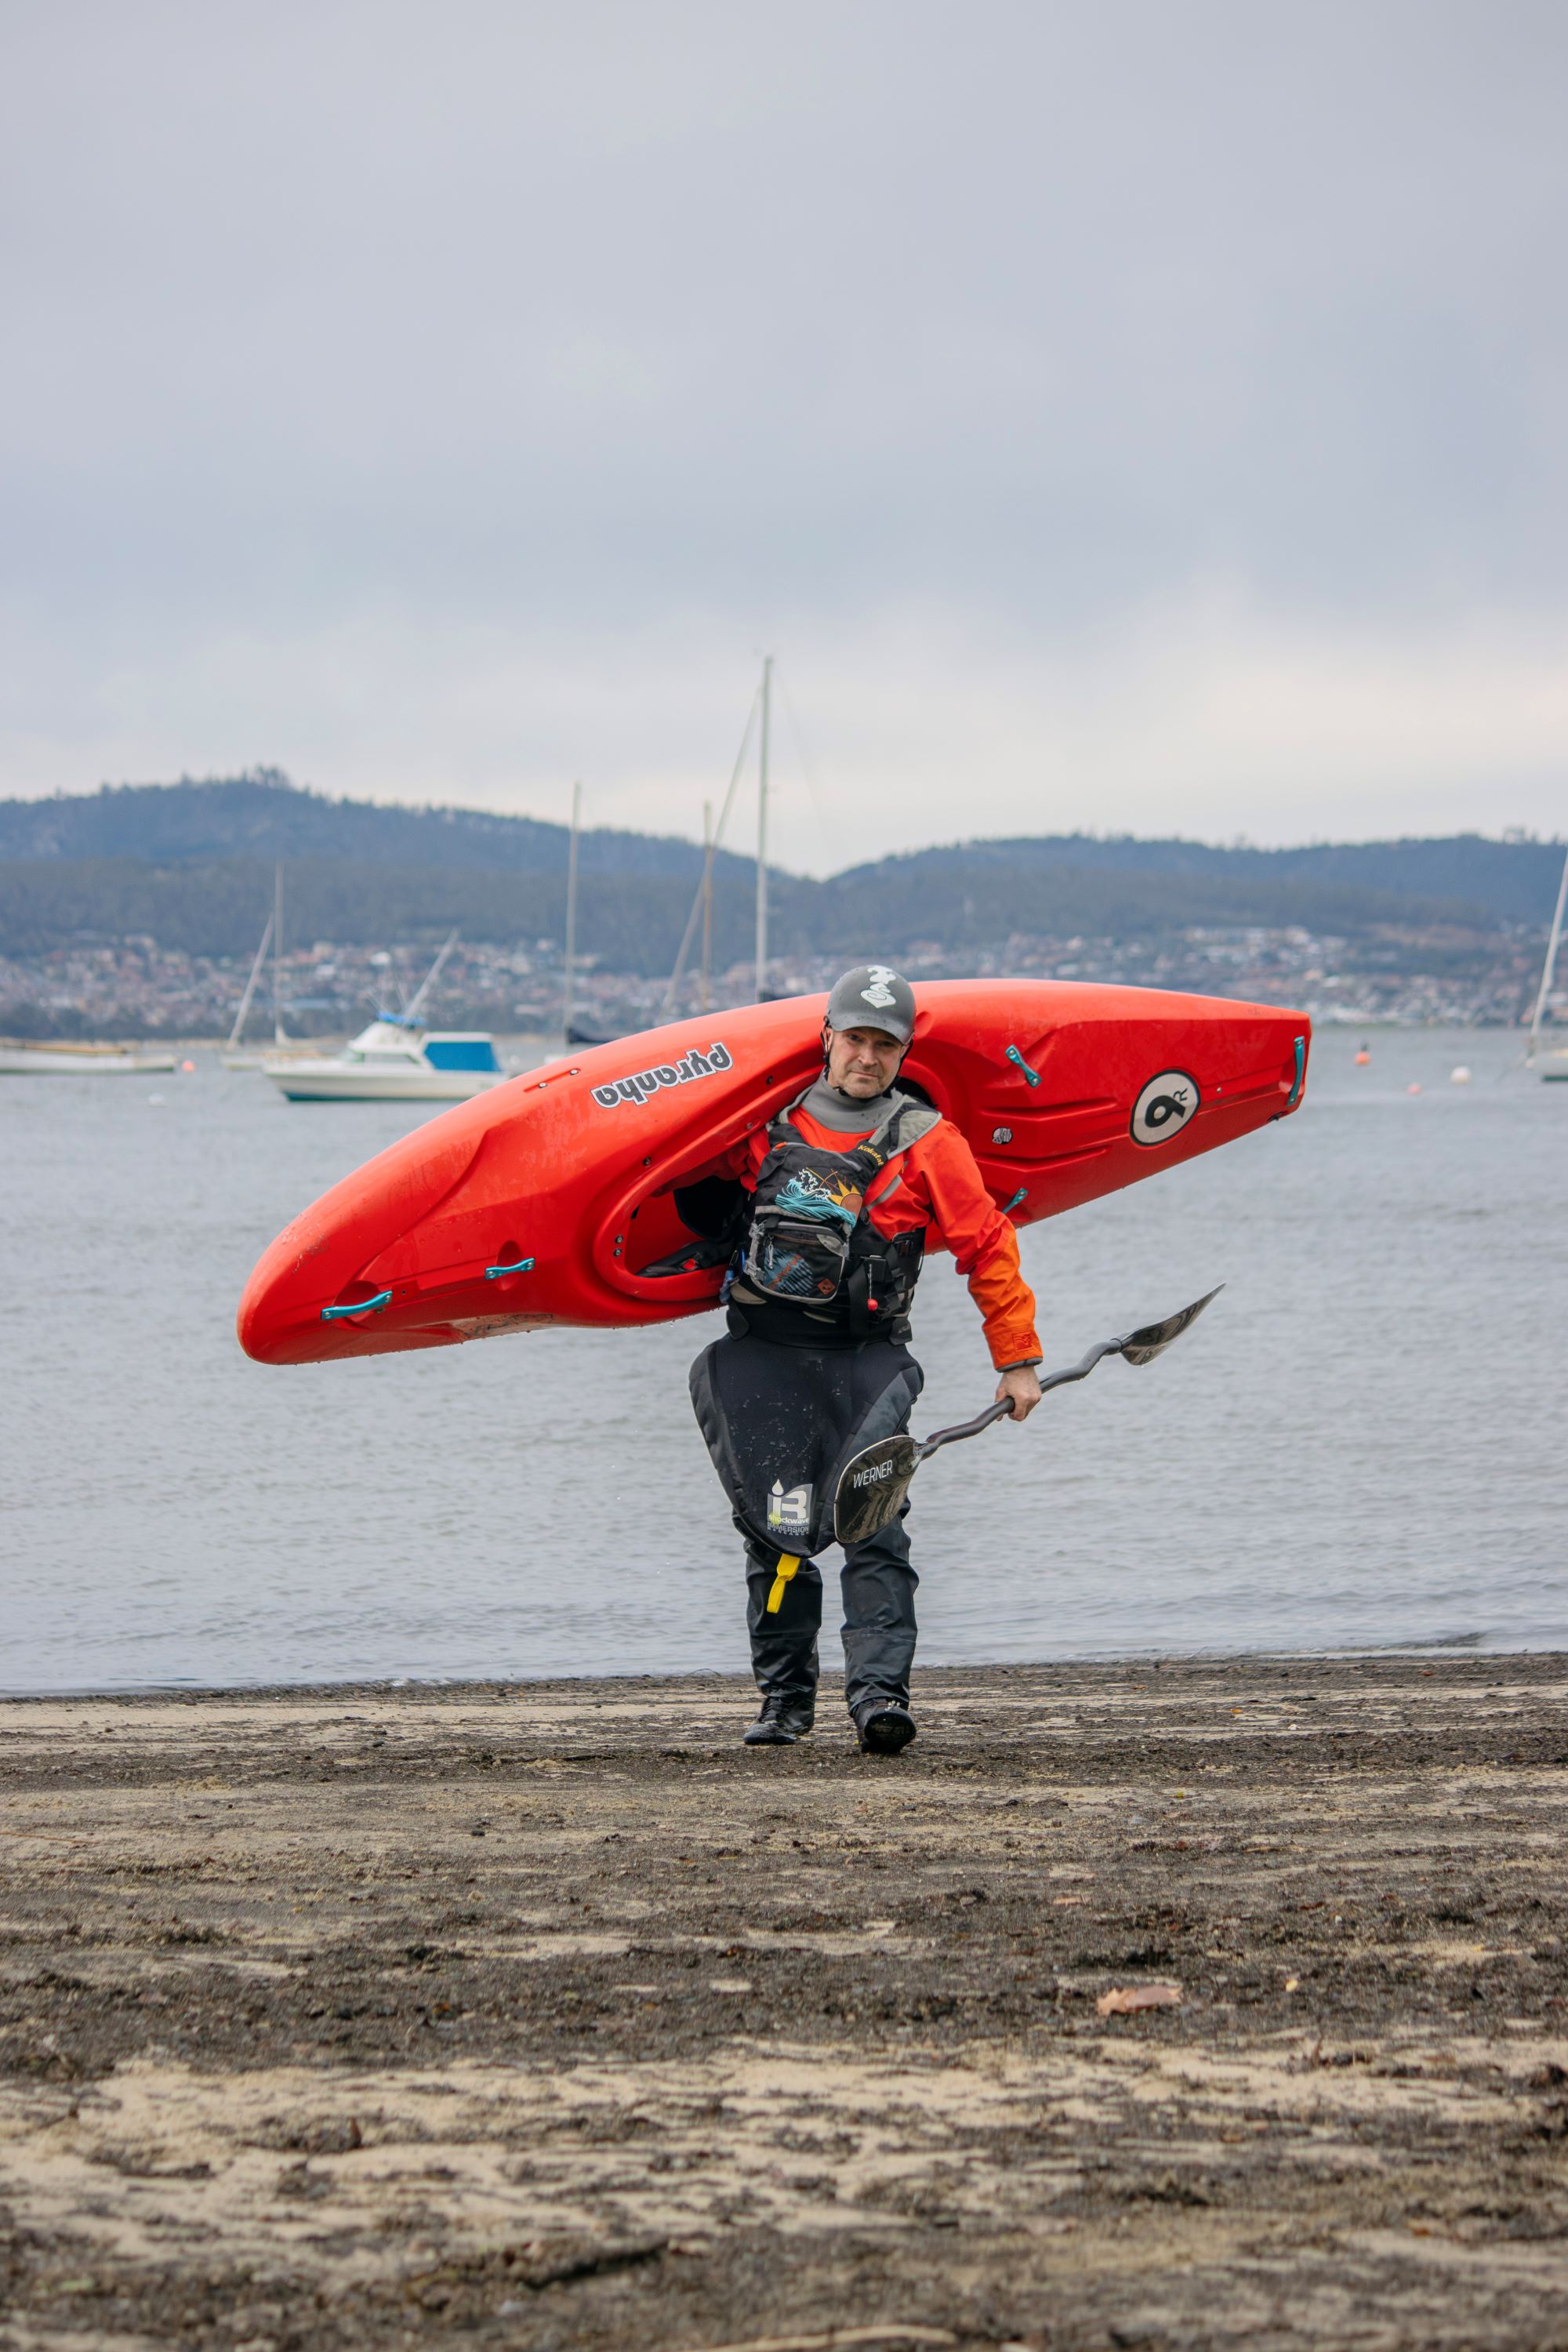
[{"x": 518, "y": 314}]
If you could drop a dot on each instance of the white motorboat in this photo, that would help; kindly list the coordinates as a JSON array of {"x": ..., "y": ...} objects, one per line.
[
  {"x": 396, "y": 1059},
  {"x": 20, "y": 1060}
]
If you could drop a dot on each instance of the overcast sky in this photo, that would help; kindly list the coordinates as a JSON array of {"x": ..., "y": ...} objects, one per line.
[{"x": 1141, "y": 417}]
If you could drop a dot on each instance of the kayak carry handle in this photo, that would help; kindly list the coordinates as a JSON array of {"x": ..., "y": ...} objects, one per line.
[
  {"x": 1014, "y": 1055},
  {"x": 494, "y": 1273},
  {"x": 361, "y": 1306},
  {"x": 1294, "y": 1096}
]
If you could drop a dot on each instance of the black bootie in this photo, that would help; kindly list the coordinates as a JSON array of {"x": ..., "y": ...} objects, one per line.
[
  {"x": 782, "y": 1722},
  {"x": 883, "y": 1727}
]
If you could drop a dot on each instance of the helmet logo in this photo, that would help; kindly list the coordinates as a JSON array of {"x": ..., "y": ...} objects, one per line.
[{"x": 879, "y": 993}]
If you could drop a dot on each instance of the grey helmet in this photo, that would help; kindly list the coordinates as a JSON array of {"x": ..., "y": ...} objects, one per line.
[{"x": 873, "y": 996}]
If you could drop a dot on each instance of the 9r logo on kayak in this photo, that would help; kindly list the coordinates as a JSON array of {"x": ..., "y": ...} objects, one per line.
[
  {"x": 644, "y": 1083},
  {"x": 1164, "y": 1106}
]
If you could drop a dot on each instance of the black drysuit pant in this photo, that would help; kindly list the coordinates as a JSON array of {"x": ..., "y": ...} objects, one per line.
[{"x": 781, "y": 1423}]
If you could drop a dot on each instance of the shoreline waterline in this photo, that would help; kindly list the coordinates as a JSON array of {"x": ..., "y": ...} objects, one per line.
[{"x": 1460, "y": 1649}]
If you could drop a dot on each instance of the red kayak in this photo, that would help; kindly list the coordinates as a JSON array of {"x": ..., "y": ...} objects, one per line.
[{"x": 538, "y": 1202}]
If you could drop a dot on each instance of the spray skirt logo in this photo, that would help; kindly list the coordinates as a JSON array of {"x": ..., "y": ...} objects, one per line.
[
  {"x": 789, "y": 1509},
  {"x": 642, "y": 1084},
  {"x": 1164, "y": 1106}
]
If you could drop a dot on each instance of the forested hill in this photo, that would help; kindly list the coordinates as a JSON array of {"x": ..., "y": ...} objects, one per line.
[
  {"x": 1515, "y": 880},
  {"x": 190, "y": 864},
  {"x": 262, "y": 814}
]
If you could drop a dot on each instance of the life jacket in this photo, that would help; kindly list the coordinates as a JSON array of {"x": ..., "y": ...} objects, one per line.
[{"x": 812, "y": 1270}]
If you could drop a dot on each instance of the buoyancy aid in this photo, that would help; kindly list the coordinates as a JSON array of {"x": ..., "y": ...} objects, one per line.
[{"x": 812, "y": 1270}]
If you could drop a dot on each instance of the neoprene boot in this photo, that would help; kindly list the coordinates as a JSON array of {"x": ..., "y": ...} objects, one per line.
[
  {"x": 782, "y": 1722},
  {"x": 783, "y": 1645},
  {"x": 883, "y": 1729}
]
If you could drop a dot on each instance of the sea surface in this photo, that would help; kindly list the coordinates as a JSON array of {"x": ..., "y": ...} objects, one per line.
[{"x": 1361, "y": 1443}]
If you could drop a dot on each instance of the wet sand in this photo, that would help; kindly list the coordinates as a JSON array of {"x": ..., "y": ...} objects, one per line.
[{"x": 549, "y": 2017}]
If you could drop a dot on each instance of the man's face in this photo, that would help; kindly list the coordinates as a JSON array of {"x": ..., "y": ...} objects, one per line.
[{"x": 862, "y": 1062}]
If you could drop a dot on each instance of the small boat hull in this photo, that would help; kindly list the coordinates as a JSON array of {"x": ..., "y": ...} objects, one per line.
[
  {"x": 79, "y": 1061},
  {"x": 392, "y": 1060},
  {"x": 328, "y": 1081},
  {"x": 540, "y": 1203}
]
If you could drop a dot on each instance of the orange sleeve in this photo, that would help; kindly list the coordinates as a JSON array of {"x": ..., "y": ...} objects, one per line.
[{"x": 983, "y": 1241}]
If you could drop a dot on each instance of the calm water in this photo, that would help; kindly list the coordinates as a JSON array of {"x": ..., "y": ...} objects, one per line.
[{"x": 1361, "y": 1443}]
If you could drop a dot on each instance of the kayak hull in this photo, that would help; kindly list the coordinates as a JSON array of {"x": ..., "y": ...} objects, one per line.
[{"x": 540, "y": 1201}]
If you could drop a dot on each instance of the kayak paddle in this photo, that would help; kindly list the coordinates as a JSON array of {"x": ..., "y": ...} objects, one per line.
[{"x": 872, "y": 1486}]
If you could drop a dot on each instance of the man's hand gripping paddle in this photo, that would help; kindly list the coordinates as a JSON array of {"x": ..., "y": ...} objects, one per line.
[{"x": 872, "y": 1487}]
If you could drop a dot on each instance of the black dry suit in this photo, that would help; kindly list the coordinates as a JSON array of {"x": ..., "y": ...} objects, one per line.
[{"x": 813, "y": 1368}]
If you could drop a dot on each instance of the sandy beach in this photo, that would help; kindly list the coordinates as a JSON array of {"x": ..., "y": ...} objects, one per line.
[{"x": 546, "y": 2016}]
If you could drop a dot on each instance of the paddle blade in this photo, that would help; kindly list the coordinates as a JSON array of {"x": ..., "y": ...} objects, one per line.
[
  {"x": 1143, "y": 1346},
  {"x": 872, "y": 1486}
]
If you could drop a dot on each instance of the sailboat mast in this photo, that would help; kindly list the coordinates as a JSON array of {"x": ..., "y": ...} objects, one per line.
[
  {"x": 571, "y": 914},
  {"x": 280, "y": 1035},
  {"x": 707, "y": 899},
  {"x": 413, "y": 1009},
  {"x": 702, "y": 898},
  {"x": 243, "y": 1015},
  {"x": 763, "y": 834},
  {"x": 1550, "y": 967}
]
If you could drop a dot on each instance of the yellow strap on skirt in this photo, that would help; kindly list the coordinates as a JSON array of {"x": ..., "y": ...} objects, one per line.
[{"x": 788, "y": 1563}]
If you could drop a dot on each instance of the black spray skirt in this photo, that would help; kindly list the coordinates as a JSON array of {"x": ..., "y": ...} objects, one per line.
[{"x": 782, "y": 1422}]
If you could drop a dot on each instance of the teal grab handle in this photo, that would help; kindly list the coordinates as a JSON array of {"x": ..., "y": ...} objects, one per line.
[
  {"x": 1021, "y": 1195},
  {"x": 362, "y": 1307},
  {"x": 1014, "y": 1055},
  {"x": 523, "y": 1266},
  {"x": 1294, "y": 1096}
]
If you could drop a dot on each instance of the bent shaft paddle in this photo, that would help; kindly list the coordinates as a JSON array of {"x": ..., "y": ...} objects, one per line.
[{"x": 873, "y": 1484}]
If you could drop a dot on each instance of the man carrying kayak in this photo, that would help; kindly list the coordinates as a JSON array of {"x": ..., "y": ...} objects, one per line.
[{"x": 829, "y": 1209}]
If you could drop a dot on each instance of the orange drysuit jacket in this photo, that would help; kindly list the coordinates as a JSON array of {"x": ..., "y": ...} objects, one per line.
[{"x": 936, "y": 1186}]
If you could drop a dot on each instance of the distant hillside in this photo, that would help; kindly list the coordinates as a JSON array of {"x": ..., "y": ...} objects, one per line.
[
  {"x": 971, "y": 898},
  {"x": 633, "y": 922},
  {"x": 634, "y": 919},
  {"x": 1514, "y": 880},
  {"x": 190, "y": 864},
  {"x": 263, "y": 815}
]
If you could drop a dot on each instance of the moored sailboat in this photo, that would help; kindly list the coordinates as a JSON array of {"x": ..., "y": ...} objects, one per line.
[
  {"x": 1556, "y": 1061},
  {"x": 20, "y": 1058},
  {"x": 233, "y": 1055}
]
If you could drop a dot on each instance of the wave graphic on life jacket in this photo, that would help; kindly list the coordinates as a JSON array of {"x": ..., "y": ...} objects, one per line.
[{"x": 804, "y": 1194}]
